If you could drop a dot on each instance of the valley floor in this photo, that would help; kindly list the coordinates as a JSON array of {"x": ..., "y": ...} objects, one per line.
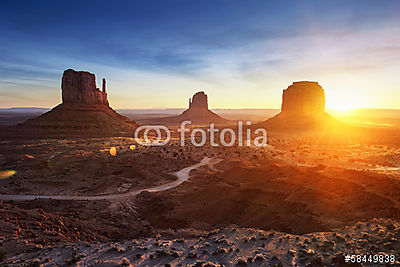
[{"x": 297, "y": 201}]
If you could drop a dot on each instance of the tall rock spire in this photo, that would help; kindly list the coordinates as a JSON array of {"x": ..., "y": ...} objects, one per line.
[{"x": 104, "y": 86}]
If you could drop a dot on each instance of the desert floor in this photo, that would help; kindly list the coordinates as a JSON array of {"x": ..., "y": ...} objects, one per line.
[{"x": 297, "y": 201}]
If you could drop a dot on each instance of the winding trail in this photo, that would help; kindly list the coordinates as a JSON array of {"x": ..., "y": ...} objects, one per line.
[{"x": 182, "y": 175}]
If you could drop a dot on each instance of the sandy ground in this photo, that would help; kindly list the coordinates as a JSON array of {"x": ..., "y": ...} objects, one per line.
[
  {"x": 181, "y": 176},
  {"x": 85, "y": 166},
  {"x": 297, "y": 201},
  {"x": 233, "y": 246}
]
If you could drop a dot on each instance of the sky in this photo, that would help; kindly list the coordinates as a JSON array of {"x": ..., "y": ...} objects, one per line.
[{"x": 157, "y": 54}]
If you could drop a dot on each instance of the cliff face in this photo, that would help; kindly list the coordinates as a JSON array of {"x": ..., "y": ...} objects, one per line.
[
  {"x": 84, "y": 109},
  {"x": 199, "y": 100},
  {"x": 303, "y": 108},
  {"x": 197, "y": 113},
  {"x": 303, "y": 98},
  {"x": 80, "y": 87}
]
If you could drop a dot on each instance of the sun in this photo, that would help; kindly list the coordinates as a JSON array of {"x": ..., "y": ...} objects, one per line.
[
  {"x": 343, "y": 103},
  {"x": 344, "y": 108}
]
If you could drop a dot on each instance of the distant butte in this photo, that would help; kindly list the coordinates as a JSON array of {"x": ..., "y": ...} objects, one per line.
[
  {"x": 200, "y": 101},
  {"x": 197, "y": 113},
  {"x": 84, "y": 108}
]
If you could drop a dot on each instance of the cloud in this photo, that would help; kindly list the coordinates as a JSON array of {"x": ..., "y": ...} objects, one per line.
[{"x": 174, "y": 47}]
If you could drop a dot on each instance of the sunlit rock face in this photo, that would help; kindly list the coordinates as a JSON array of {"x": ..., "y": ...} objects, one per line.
[
  {"x": 80, "y": 87},
  {"x": 303, "y": 98},
  {"x": 199, "y": 100},
  {"x": 303, "y": 107}
]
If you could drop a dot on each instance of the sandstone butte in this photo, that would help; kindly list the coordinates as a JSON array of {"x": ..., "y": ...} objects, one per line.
[
  {"x": 303, "y": 107},
  {"x": 197, "y": 113},
  {"x": 80, "y": 87},
  {"x": 84, "y": 108}
]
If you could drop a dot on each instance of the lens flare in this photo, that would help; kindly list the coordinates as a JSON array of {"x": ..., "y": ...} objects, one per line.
[
  {"x": 113, "y": 151},
  {"x": 7, "y": 173}
]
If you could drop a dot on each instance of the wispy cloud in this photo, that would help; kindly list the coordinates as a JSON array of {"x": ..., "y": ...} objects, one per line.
[{"x": 173, "y": 48}]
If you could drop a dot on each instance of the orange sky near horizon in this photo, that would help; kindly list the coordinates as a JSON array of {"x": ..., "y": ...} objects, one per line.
[{"x": 240, "y": 61}]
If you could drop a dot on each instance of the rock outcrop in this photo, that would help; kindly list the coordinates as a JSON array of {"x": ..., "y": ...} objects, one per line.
[
  {"x": 197, "y": 113},
  {"x": 305, "y": 97},
  {"x": 84, "y": 109},
  {"x": 199, "y": 101},
  {"x": 303, "y": 106},
  {"x": 80, "y": 87}
]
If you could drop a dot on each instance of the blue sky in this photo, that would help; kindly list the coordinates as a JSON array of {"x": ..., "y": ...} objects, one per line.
[{"x": 241, "y": 53}]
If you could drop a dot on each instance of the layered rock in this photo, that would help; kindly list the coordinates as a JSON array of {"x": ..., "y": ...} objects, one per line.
[
  {"x": 199, "y": 101},
  {"x": 80, "y": 87},
  {"x": 303, "y": 98},
  {"x": 84, "y": 108},
  {"x": 303, "y": 107},
  {"x": 197, "y": 113}
]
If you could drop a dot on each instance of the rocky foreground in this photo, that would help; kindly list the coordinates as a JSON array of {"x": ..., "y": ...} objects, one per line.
[
  {"x": 232, "y": 246},
  {"x": 304, "y": 193}
]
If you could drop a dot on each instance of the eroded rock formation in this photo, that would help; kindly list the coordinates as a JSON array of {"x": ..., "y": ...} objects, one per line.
[
  {"x": 303, "y": 107},
  {"x": 80, "y": 87},
  {"x": 197, "y": 113},
  {"x": 199, "y": 100},
  {"x": 84, "y": 108},
  {"x": 303, "y": 98}
]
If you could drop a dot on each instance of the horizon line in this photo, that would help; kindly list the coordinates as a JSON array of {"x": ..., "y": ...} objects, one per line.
[{"x": 174, "y": 108}]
